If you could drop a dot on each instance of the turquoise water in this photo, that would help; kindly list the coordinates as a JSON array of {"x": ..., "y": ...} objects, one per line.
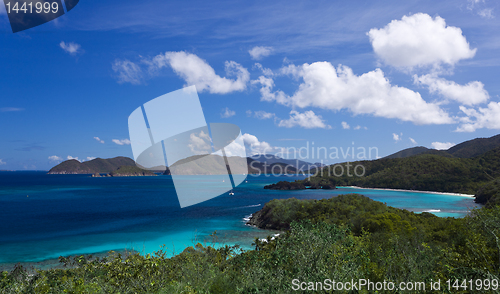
[{"x": 45, "y": 216}]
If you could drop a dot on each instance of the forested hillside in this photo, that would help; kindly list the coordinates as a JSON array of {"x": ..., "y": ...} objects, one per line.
[{"x": 424, "y": 172}]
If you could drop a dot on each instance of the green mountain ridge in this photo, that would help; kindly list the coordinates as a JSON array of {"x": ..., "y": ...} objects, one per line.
[
  {"x": 97, "y": 165},
  {"x": 439, "y": 172},
  {"x": 467, "y": 149}
]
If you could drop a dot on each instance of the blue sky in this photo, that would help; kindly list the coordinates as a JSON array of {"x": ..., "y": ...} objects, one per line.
[{"x": 384, "y": 74}]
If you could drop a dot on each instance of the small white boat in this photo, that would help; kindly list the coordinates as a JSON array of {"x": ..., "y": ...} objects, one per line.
[{"x": 231, "y": 193}]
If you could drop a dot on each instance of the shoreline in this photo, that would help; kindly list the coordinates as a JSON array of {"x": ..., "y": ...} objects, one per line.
[{"x": 415, "y": 191}]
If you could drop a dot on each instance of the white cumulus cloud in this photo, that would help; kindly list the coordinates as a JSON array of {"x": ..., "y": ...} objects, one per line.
[
  {"x": 121, "y": 142},
  {"x": 419, "y": 40},
  {"x": 200, "y": 143},
  {"x": 55, "y": 158},
  {"x": 397, "y": 137},
  {"x": 71, "y": 48},
  {"x": 470, "y": 94},
  {"x": 196, "y": 71},
  {"x": 327, "y": 87},
  {"x": 255, "y": 146},
  {"x": 90, "y": 158},
  {"x": 442, "y": 146},
  {"x": 308, "y": 120},
  {"x": 258, "y": 52},
  {"x": 99, "y": 140},
  {"x": 345, "y": 125},
  {"x": 488, "y": 117},
  {"x": 413, "y": 141}
]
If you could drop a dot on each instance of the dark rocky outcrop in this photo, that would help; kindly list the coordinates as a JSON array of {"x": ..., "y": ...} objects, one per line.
[
  {"x": 284, "y": 185},
  {"x": 131, "y": 171},
  {"x": 310, "y": 183}
]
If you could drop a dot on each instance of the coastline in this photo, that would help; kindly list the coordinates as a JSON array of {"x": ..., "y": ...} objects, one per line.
[{"x": 415, "y": 191}]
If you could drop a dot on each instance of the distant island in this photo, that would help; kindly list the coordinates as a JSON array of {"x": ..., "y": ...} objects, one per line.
[
  {"x": 124, "y": 166},
  {"x": 98, "y": 165}
]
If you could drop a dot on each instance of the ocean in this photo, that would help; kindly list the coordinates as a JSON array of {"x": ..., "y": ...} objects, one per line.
[{"x": 46, "y": 216}]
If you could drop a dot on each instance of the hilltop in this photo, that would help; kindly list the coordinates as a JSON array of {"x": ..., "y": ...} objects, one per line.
[
  {"x": 214, "y": 166},
  {"x": 467, "y": 149},
  {"x": 97, "y": 165}
]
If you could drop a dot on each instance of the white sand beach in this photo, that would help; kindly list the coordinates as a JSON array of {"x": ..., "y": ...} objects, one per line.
[{"x": 415, "y": 191}]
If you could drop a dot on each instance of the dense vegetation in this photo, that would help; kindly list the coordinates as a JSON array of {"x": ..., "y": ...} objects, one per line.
[
  {"x": 424, "y": 172},
  {"x": 311, "y": 183},
  {"x": 130, "y": 171},
  {"x": 342, "y": 238}
]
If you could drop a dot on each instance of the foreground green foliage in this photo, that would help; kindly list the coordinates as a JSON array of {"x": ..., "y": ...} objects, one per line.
[{"x": 342, "y": 238}]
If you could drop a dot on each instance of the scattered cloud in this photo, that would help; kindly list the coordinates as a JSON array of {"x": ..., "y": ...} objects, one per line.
[
  {"x": 128, "y": 72},
  {"x": 10, "y": 109},
  {"x": 55, "y": 158},
  {"x": 488, "y": 117},
  {"x": 486, "y": 13},
  {"x": 258, "y": 52},
  {"x": 121, "y": 142},
  {"x": 261, "y": 114},
  {"x": 255, "y": 146},
  {"x": 2, "y": 162},
  {"x": 71, "y": 157},
  {"x": 418, "y": 40},
  {"x": 472, "y": 3},
  {"x": 442, "y": 146},
  {"x": 397, "y": 137},
  {"x": 345, "y": 125},
  {"x": 99, "y": 140},
  {"x": 226, "y": 112},
  {"x": 470, "y": 94},
  {"x": 308, "y": 120},
  {"x": 196, "y": 71},
  {"x": 358, "y": 127},
  {"x": 71, "y": 48},
  {"x": 91, "y": 158},
  {"x": 249, "y": 113},
  {"x": 266, "y": 71},
  {"x": 413, "y": 141},
  {"x": 479, "y": 6},
  {"x": 327, "y": 87}
]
